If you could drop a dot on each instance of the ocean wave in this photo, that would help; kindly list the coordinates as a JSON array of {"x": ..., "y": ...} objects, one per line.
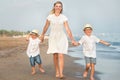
[
  {"x": 115, "y": 47},
  {"x": 110, "y": 49}
]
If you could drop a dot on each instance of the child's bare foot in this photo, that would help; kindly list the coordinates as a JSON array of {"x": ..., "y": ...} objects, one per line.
[
  {"x": 85, "y": 74},
  {"x": 33, "y": 72},
  {"x": 42, "y": 70}
]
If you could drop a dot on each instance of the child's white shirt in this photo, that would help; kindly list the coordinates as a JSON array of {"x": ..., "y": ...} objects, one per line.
[
  {"x": 33, "y": 47},
  {"x": 89, "y": 45}
]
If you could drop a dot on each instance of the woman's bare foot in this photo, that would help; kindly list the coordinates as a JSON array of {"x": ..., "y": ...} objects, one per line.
[
  {"x": 62, "y": 76},
  {"x": 92, "y": 78},
  {"x": 57, "y": 75},
  {"x": 85, "y": 74}
]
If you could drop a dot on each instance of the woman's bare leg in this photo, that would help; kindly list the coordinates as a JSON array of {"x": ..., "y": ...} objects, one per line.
[
  {"x": 55, "y": 56},
  {"x": 61, "y": 64}
]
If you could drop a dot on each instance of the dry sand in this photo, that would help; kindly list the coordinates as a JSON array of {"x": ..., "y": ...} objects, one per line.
[{"x": 14, "y": 63}]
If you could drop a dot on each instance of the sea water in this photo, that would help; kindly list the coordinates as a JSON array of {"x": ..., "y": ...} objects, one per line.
[{"x": 108, "y": 57}]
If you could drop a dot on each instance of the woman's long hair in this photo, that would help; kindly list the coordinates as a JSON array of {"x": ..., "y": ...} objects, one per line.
[{"x": 53, "y": 10}]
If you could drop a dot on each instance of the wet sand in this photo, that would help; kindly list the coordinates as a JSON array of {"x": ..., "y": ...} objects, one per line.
[{"x": 14, "y": 63}]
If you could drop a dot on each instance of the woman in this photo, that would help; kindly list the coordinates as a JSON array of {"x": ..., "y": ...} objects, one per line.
[{"x": 58, "y": 42}]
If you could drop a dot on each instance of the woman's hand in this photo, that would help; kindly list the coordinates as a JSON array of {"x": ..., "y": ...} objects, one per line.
[{"x": 42, "y": 38}]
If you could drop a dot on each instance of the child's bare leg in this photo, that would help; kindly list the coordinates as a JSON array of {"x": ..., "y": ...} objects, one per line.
[
  {"x": 33, "y": 70},
  {"x": 40, "y": 68},
  {"x": 92, "y": 71},
  {"x": 86, "y": 70}
]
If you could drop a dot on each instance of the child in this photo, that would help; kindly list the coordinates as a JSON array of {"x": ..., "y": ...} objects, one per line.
[
  {"x": 33, "y": 51},
  {"x": 89, "y": 49}
]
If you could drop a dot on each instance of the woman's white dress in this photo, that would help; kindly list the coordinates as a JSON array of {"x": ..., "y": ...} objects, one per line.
[{"x": 58, "y": 42}]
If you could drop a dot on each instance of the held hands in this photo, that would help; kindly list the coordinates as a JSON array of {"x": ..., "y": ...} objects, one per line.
[
  {"x": 42, "y": 38},
  {"x": 74, "y": 43}
]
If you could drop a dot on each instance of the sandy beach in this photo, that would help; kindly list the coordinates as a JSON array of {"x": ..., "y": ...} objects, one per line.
[{"x": 14, "y": 63}]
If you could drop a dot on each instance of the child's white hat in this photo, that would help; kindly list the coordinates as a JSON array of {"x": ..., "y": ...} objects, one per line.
[
  {"x": 34, "y": 32},
  {"x": 87, "y": 26}
]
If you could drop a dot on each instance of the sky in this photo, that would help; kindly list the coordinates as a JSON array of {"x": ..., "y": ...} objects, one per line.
[{"x": 25, "y": 15}]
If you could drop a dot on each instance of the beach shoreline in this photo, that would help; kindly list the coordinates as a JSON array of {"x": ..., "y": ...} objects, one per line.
[{"x": 14, "y": 62}]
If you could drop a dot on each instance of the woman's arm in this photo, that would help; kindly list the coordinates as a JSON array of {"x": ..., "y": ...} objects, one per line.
[
  {"x": 44, "y": 30},
  {"x": 69, "y": 33}
]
